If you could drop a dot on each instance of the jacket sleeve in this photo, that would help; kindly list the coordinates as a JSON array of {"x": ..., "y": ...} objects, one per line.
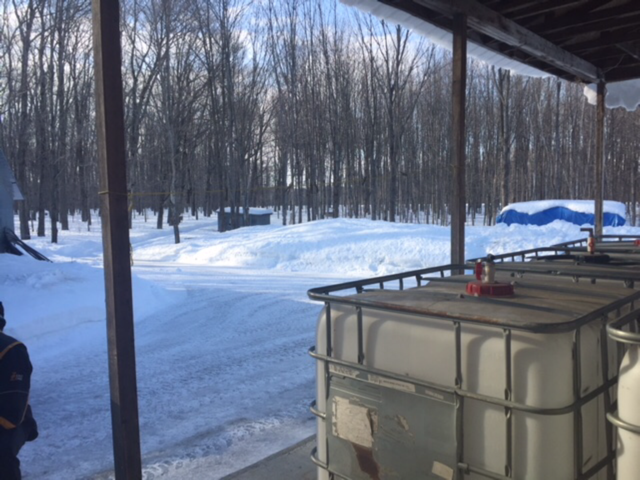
[{"x": 15, "y": 382}]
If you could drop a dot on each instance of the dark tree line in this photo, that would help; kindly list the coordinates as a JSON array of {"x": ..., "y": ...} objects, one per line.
[{"x": 304, "y": 106}]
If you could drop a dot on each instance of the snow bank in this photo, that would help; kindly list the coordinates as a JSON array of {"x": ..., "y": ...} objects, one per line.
[
  {"x": 347, "y": 248},
  {"x": 42, "y": 298}
]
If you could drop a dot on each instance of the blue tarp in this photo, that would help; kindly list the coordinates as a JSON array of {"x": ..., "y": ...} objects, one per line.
[{"x": 557, "y": 213}]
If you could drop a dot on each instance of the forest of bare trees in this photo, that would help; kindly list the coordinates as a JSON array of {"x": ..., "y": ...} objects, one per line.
[{"x": 304, "y": 106}]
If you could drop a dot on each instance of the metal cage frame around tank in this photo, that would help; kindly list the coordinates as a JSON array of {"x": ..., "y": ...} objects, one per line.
[
  {"x": 621, "y": 248},
  {"x": 616, "y": 333},
  {"x": 604, "y": 243},
  {"x": 328, "y": 295}
]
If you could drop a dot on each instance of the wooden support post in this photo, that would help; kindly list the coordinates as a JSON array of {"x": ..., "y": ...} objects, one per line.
[
  {"x": 599, "y": 167},
  {"x": 115, "y": 239},
  {"x": 459, "y": 85}
]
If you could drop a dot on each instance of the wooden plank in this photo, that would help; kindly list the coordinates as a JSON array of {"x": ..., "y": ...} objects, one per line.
[
  {"x": 622, "y": 73},
  {"x": 599, "y": 20},
  {"x": 491, "y": 23},
  {"x": 515, "y": 54},
  {"x": 604, "y": 55},
  {"x": 537, "y": 11},
  {"x": 478, "y": 38},
  {"x": 605, "y": 39},
  {"x": 599, "y": 167},
  {"x": 115, "y": 238},
  {"x": 612, "y": 25},
  {"x": 631, "y": 48},
  {"x": 421, "y": 12},
  {"x": 622, "y": 61},
  {"x": 458, "y": 157}
]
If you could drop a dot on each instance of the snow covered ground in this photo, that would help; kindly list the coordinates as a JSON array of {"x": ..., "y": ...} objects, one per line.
[{"x": 223, "y": 325}]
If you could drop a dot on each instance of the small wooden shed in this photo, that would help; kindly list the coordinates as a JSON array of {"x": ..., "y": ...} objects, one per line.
[
  {"x": 257, "y": 216},
  {"x": 9, "y": 192}
]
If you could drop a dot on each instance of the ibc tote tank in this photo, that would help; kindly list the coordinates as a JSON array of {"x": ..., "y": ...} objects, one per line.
[
  {"x": 430, "y": 382},
  {"x": 628, "y": 416}
]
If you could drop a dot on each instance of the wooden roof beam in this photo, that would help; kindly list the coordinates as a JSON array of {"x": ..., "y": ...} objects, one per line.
[
  {"x": 538, "y": 9},
  {"x": 605, "y": 39},
  {"x": 560, "y": 35},
  {"x": 489, "y": 22},
  {"x": 421, "y": 12},
  {"x": 623, "y": 73},
  {"x": 606, "y": 54},
  {"x": 605, "y": 19},
  {"x": 631, "y": 48},
  {"x": 624, "y": 61},
  {"x": 516, "y": 54},
  {"x": 560, "y": 15},
  {"x": 509, "y": 6}
]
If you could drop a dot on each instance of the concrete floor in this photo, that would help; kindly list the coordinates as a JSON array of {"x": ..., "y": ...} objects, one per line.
[{"x": 294, "y": 463}]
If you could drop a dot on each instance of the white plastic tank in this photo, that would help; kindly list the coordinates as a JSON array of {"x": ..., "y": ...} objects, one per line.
[
  {"x": 628, "y": 445},
  {"x": 547, "y": 318}
]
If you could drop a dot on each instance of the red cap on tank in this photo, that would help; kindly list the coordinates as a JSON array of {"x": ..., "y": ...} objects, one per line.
[{"x": 479, "y": 289}]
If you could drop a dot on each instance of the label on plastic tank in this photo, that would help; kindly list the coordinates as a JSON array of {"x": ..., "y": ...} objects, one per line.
[
  {"x": 441, "y": 470},
  {"x": 392, "y": 383},
  {"x": 354, "y": 423},
  {"x": 371, "y": 378},
  {"x": 344, "y": 371}
]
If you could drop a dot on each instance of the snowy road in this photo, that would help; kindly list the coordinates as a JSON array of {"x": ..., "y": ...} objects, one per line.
[
  {"x": 240, "y": 369},
  {"x": 223, "y": 379}
]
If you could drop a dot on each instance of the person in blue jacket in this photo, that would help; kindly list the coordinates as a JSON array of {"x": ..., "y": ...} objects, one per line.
[{"x": 17, "y": 424}]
